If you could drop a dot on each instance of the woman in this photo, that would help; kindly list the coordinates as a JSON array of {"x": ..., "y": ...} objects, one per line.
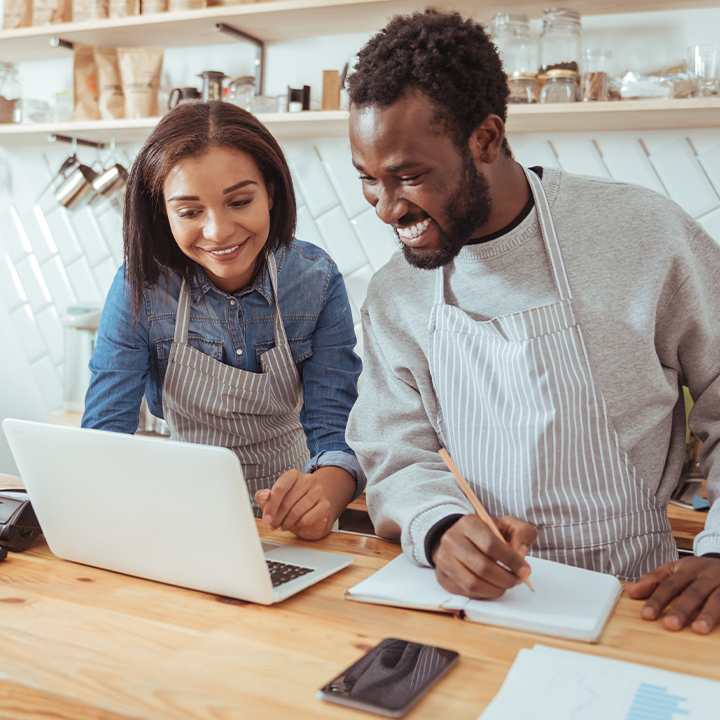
[{"x": 237, "y": 334}]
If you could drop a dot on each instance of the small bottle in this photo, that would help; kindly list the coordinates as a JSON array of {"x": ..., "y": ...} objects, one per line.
[
  {"x": 595, "y": 79},
  {"x": 560, "y": 87}
]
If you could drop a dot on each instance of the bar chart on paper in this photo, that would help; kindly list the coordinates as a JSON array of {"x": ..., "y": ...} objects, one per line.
[
  {"x": 654, "y": 702},
  {"x": 550, "y": 684}
]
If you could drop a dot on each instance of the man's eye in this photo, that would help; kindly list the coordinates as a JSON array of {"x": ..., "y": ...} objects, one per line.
[{"x": 410, "y": 178}]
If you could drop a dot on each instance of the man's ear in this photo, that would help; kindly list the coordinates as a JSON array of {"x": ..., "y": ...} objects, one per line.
[{"x": 486, "y": 140}]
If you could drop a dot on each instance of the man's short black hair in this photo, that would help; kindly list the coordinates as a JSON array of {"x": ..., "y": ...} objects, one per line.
[{"x": 450, "y": 59}]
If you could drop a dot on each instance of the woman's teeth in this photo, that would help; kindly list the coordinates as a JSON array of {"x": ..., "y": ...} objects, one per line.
[
  {"x": 414, "y": 230},
  {"x": 225, "y": 252}
]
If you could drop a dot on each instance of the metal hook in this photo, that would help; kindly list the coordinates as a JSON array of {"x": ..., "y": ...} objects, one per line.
[{"x": 259, "y": 55}]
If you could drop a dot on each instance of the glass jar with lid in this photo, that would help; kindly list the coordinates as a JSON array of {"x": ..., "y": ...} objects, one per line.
[
  {"x": 560, "y": 86},
  {"x": 560, "y": 44},
  {"x": 595, "y": 79},
  {"x": 511, "y": 35}
]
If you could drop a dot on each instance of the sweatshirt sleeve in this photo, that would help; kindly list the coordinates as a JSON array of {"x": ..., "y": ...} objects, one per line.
[
  {"x": 688, "y": 340},
  {"x": 394, "y": 435}
]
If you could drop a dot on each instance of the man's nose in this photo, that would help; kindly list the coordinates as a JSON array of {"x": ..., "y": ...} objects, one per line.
[{"x": 390, "y": 207}]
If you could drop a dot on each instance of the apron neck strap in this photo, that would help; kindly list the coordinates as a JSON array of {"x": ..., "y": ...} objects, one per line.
[
  {"x": 280, "y": 336},
  {"x": 547, "y": 228},
  {"x": 182, "y": 319}
]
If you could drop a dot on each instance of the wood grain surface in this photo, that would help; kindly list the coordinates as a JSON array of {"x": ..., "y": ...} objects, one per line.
[{"x": 81, "y": 643}]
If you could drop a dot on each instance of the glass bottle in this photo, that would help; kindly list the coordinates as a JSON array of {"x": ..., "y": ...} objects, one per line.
[
  {"x": 511, "y": 35},
  {"x": 560, "y": 86},
  {"x": 595, "y": 78},
  {"x": 10, "y": 91},
  {"x": 560, "y": 44}
]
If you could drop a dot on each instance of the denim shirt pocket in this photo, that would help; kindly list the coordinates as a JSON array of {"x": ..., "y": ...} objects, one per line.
[
  {"x": 301, "y": 349},
  {"x": 209, "y": 347}
]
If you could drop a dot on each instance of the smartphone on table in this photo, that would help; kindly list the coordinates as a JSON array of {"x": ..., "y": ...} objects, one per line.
[{"x": 390, "y": 678}]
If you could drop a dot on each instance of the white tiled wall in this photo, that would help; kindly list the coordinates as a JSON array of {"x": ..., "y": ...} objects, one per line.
[{"x": 51, "y": 258}]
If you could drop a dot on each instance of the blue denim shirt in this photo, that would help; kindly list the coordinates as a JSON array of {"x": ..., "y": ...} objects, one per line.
[{"x": 236, "y": 329}]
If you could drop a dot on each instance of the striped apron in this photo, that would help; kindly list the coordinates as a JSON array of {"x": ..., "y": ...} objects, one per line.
[
  {"x": 523, "y": 419},
  {"x": 257, "y": 415}
]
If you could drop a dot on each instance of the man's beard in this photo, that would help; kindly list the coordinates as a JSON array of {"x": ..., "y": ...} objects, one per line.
[{"x": 468, "y": 210}]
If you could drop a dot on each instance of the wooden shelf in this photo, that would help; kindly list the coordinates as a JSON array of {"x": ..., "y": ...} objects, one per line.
[
  {"x": 282, "y": 125},
  {"x": 281, "y": 20},
  {"x": 623, "y": 115},
  {"x": 575, "y": 117}
]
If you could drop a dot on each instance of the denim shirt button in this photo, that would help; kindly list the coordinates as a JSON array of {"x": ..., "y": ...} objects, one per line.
[
  {"x": 233, "y": 301},
  {"x": 239, "y": 351}
]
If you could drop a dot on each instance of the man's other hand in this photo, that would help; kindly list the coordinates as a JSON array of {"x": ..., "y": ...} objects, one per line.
[{"x": 694, "y": 585}]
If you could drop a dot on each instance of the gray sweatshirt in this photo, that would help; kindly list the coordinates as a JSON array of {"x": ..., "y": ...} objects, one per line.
[{"x": 646, "y": 278}]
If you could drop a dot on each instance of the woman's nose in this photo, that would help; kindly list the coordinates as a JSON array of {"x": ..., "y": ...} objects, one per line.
[{"x": 218, "y": 227}]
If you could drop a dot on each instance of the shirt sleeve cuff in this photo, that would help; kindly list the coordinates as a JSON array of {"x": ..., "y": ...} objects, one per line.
[
  {"x": 706, "y": 543},
  {"x": 340, "y": 459},
  {"x": 422, "y": 525},
  {"x": 436, "y": 532}
]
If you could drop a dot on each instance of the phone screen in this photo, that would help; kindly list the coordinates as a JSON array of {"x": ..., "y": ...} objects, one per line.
[{"x": 390, "y": 677}]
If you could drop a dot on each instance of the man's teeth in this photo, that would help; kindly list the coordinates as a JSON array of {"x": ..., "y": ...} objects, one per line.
[
  {"x": 414, "y": 230},
  {"x": 225, "y": 252}
]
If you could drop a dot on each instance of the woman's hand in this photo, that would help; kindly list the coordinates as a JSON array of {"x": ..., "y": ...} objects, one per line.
[{"x": 306, "y": 504}]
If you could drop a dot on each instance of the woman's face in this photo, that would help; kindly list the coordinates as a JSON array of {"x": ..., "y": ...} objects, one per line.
[{"x": 219, "y": 213}]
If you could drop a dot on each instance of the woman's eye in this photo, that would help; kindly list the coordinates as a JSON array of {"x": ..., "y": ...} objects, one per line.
[
  {"x": 187, "y": 213},
  {"x": 240, "y": 203}
]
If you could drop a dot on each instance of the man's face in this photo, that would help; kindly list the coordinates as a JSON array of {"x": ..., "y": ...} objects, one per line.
[{"x": 412, "y": 173}]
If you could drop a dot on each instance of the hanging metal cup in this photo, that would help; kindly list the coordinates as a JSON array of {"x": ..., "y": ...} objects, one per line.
[
  {"x": 110, "y": 181},
  {"x": 77, "y": 188}
]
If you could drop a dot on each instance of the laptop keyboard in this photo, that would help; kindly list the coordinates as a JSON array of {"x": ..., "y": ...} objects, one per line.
[{"x": 283, "y": 572}]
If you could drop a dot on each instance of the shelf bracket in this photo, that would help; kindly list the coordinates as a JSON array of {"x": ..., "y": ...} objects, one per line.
[
  {"x": 76, "y": 141},
  {"x": 259, "y": 54},
  {"x": 59, "y": 42}
]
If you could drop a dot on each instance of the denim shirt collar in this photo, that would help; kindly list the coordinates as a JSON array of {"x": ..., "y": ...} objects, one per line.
[{"x": 202, "y": 284}]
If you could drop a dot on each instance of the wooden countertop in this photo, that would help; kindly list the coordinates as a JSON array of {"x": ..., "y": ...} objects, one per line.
[{"x": 79, "y": 643}]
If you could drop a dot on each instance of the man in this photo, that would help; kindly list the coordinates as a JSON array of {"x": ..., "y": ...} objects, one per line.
[{"x": 539, "y": 326}]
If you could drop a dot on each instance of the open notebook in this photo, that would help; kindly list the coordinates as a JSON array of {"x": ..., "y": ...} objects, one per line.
[{"x": 568, "y": 601}]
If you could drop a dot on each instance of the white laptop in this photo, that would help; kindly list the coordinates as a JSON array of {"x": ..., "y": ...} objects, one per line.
[{"x": 175, "y": 512}]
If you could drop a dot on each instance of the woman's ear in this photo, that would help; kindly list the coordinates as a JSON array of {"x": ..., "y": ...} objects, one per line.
[{"x": 271, "y": 196}]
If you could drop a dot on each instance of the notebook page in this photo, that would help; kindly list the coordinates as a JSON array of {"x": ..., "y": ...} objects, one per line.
[
  {"x": 403, "y": 582},
  {"x": 567, "y": 600}
]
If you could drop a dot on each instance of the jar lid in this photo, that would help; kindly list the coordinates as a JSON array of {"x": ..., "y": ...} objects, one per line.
[
  {"x": 510, "y": 20},
  {"x": 529, "y": 75},
  {"x": 561, "y": 73},
  {"x": 560, "y": 16},
  {"x": 565, "y": 13}
]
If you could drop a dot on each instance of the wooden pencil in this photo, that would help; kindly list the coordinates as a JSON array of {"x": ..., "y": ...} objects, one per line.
[{"x": 473, "y": 498}]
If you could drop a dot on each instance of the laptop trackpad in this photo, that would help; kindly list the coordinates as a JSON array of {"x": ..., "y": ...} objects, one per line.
[{"x": 267, "y": 547}]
